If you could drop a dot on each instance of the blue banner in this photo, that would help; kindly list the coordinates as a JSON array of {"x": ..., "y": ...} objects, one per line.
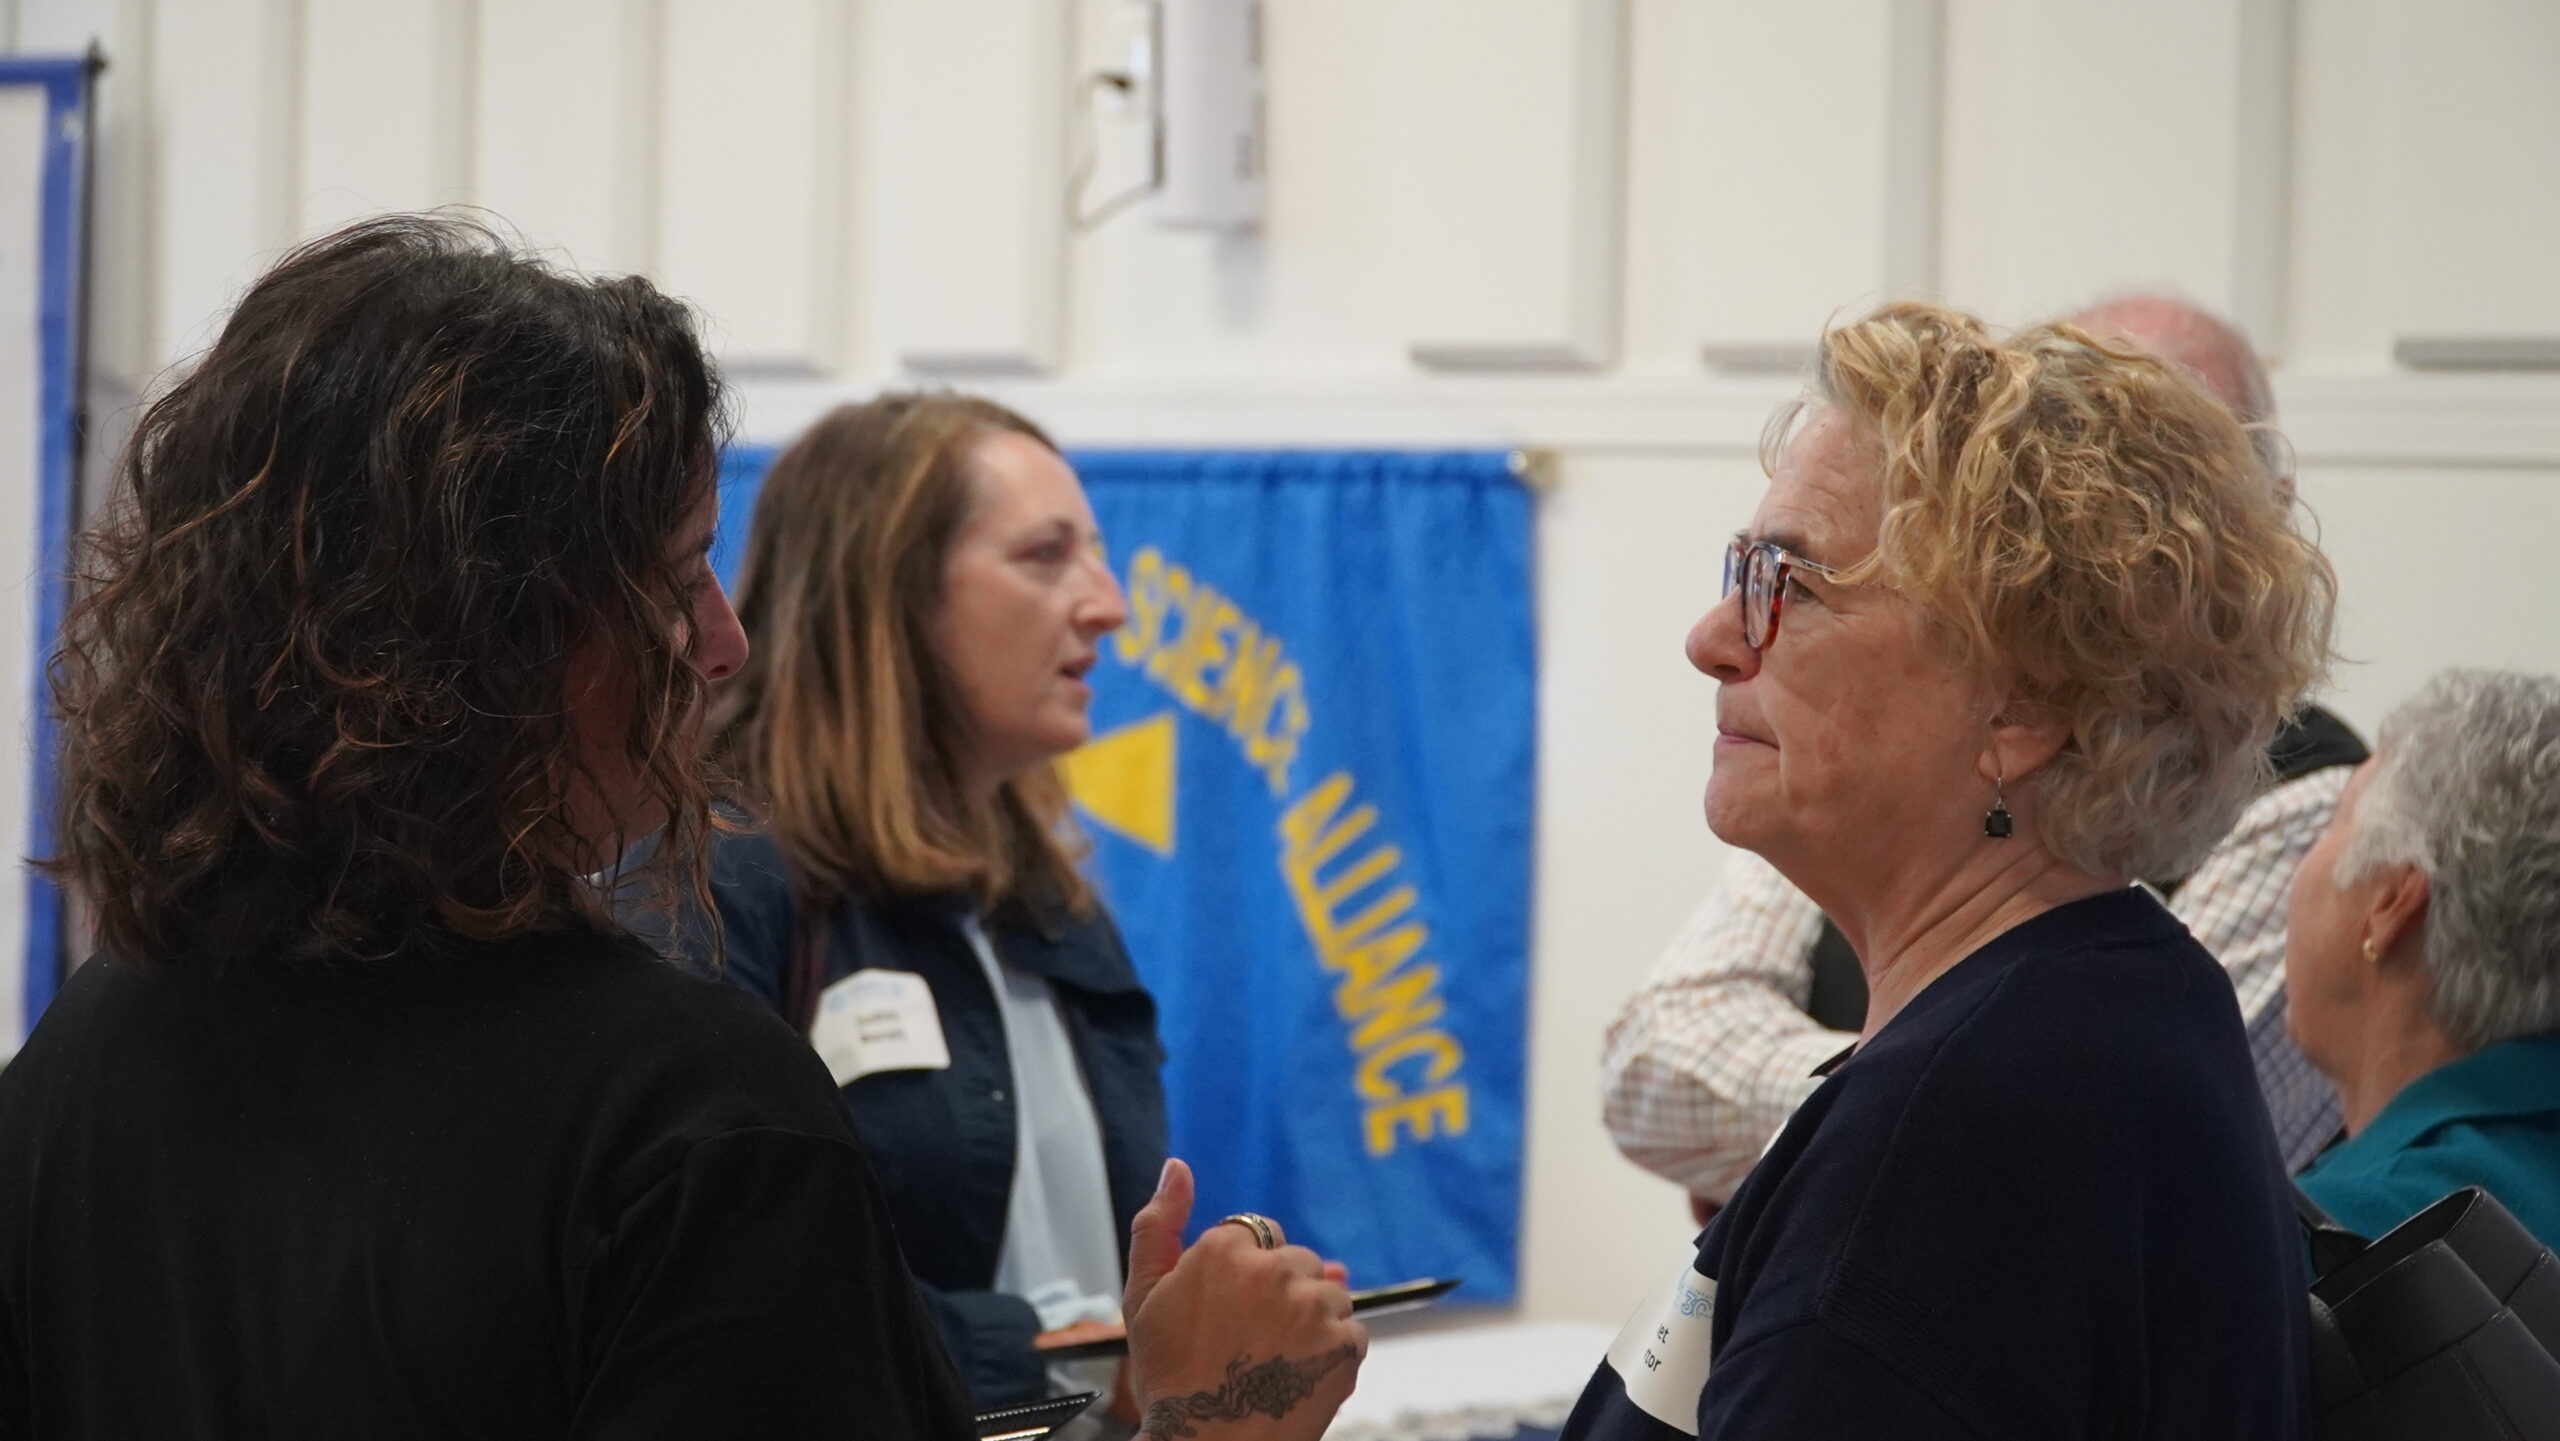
[
  {"x": 44, "y": 159},
  {"x": 1309, "y": 789}
]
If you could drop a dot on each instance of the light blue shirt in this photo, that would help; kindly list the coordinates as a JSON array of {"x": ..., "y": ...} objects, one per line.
[
  {"x": 2490, "y": 1119},
  {"x": 1061, "y": 1245}
]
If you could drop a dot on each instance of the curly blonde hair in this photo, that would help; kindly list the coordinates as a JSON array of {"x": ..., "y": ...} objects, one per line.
[{"x": 2101, "y": 535}]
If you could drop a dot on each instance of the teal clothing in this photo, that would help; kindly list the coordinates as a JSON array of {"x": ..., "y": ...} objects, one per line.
[{"x": 2491, "y": 1119}]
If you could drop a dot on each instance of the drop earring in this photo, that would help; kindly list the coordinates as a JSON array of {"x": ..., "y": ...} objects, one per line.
[{"x": 1997, "y": 823}]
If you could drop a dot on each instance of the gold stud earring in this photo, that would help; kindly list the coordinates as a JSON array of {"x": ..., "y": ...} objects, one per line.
[{"x": 2372, "y": 957}]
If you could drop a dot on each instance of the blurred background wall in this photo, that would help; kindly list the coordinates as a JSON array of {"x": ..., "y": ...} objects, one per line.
[{"x": 1608, "y": 229}]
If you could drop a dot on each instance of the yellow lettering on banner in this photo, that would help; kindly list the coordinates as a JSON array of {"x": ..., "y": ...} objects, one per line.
[
  {"x": 1407, "y": 1003},
  {"x": 1200, "y": 647},
  {"x": 1274, "y": 747},
  {"x": 1146, "y": 593},
  {"x": 1447, "y": 1106},
  {"x": 1367, "y": 963},
  {"x": 1389, "y": 1000},
  {"x": 1177, "y": 595},
  {"x": 1244, "y": 691},
  {"x": 1205, "y": 637},
  {"x": 1377, "y": 1085}
]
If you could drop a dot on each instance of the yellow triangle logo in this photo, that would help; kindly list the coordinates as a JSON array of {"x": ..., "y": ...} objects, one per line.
[{"x": 1124, "y": 781}]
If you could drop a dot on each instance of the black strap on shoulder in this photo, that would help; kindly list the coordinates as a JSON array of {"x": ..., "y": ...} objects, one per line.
[{"x": 2312, "y": 740}]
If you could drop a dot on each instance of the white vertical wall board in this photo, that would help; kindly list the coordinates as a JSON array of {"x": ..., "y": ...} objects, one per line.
[
  {"x": 966, "y": 136},
  {"x": 2487, "y": 530},
  {"x": 2474, "y": 179},
  {"x": 2262, "y": 172},
  {"x": 1321, "y": 287},
  {"x": 2096, "y": 147},
  {"x": 753, "y": 180},
  {"x": 1626, "y": 728},
  {"x": 1810, "y": 136},
  {"x": 564, "y": 135},
  {"x": 2338, "y": 313},
  {"x": 1509, "y": 136},
  {"x": 25, "y": 117},
  {"x": 224, "y": 82},
  {"x": 386, "y": 110}
]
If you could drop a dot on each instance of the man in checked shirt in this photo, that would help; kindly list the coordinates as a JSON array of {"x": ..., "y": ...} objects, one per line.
[{"x": 1712, "y": 1054}]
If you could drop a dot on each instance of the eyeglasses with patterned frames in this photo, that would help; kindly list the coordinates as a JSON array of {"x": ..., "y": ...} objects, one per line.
[{"x": 1760, "y": 568}]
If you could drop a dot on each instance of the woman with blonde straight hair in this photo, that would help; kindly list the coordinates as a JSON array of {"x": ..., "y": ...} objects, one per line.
[{"x": 925, "y": 592}]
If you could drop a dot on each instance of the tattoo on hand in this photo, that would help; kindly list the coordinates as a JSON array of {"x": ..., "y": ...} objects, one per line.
[{"x": 1271, "y": 1388}]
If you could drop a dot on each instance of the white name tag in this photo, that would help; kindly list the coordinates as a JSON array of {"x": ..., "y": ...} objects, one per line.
[
  {"x": 878, "y": 1021},
  {"x": 1661, "y": 1358}
]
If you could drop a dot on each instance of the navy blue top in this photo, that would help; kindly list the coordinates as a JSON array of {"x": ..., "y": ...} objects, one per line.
[
  {"x": 2043, "y": 1201},
  {"x": 943, "y": 1141},
  {"x": 2491, "y": 1119}
]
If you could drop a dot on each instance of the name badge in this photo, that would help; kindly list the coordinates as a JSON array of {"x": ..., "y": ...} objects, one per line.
[
  {"x": 875, "y": 1021},
  {"x": 1661, "y": 1358}
]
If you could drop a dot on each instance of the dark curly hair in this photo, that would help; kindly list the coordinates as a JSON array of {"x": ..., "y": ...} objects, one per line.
[{"x": 312, "y": 692}]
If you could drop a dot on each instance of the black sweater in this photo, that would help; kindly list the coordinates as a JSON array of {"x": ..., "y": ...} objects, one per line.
[{"x": 550, "y": 1188}]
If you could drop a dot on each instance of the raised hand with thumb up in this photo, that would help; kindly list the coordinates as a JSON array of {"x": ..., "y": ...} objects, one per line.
[{"x": 1230, "y": 1338}]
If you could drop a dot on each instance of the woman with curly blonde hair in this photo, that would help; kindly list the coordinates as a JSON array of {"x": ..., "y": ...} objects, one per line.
[{"x": 2013, "y": 625}]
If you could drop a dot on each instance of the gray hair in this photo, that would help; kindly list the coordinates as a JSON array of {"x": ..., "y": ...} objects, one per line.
[{"x": 2467, "y": 789}]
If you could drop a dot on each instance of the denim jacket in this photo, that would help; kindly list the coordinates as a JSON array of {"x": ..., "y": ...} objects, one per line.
[{"x": 943, "y": 1140}]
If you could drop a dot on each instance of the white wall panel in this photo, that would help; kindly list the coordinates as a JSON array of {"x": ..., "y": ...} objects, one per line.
[
  {"x": 2095, "y": 146},
  {"x": 1809, "y": 172},
  {"x": 1626, "y": 563},
  {"x": 224, "y": 80},
  {"x": 752, "y": 184},
  {"x": 1321, "y": 287},
  {"x": 966, "y": 143},
  {"x": 385, "y": 118},
  {"x": 2338, "y": 298},
  {"x": 2475, "y": 182},
  {"x": 1508, "y": 130},
  {"x": 2484, "y": 531},
  {"x": 565, "y": 125}
]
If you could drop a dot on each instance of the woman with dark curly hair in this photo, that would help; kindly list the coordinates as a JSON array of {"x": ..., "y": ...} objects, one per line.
[{"x": 368, "y": 1119}]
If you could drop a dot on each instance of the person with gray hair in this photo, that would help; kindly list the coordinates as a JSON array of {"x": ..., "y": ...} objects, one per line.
[{"x": 2423, "y": 954}]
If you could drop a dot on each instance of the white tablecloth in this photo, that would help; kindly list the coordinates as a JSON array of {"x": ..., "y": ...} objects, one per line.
[{"x": 1471, "y": 1382}]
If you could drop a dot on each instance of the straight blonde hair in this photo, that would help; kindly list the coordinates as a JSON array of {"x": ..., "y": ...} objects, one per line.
[{"x": 842, "y": 727}]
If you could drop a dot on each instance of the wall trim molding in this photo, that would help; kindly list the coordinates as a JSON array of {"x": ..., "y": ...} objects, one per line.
[{"x": 2388, "y": 420}]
